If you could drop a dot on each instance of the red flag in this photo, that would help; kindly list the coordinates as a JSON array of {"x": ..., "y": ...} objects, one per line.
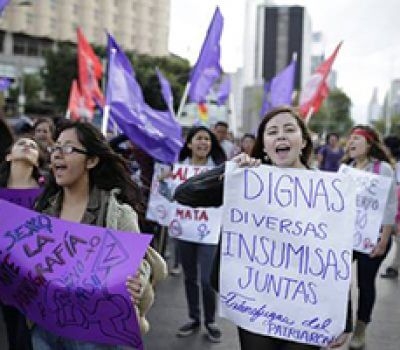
[
  {"x": 316, "y": 89},
  {"x": 77, "y": 105},
  {"x": 90, "y": 71}
]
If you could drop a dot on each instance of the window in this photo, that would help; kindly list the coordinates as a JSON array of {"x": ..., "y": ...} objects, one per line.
[
  {"x": 30, "y": 18},
  {"x": 19, "y": 46},
  {"x": 33, "y": 47}
]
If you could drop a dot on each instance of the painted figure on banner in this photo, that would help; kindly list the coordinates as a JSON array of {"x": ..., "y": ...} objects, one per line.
[{"x": 90, "y": 184}]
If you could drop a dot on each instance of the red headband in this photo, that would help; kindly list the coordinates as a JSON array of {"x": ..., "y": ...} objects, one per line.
[{"x": 368, "y": 135}]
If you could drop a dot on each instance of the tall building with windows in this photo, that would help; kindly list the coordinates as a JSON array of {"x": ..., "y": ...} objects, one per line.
[
  {"x": 272, "y": 35},
  {"x": 27, "y": 28}
]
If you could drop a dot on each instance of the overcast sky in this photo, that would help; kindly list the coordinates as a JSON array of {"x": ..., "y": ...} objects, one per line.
[{"x": 369, "y": 57}]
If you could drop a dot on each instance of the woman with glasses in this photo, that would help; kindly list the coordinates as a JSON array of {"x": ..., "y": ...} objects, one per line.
[
  {"x": 90, "y": 184},
  {"x": 20, "y": 170}
]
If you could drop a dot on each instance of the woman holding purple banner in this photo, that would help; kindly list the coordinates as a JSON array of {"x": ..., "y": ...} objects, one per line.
[
  {"x": 91, "y": 184},
  {"x": 20, "y": 170},
  {"x": 282, "y": 140},
  {"x": 365, "y": 151}
]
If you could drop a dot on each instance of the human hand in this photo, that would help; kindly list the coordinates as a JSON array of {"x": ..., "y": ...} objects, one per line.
[
  {"x": 338, "y": 341},
  {"x": 135, "y": 288},
  {"x": 379, "y": 249},
  {"x": 244, "y": 159}
]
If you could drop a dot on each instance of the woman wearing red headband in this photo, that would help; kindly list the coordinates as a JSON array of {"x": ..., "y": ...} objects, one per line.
[{"x": 365, "y": 151}]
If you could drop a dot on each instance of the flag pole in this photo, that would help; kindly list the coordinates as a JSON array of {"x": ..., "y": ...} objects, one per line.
[
  {"x": 68, "y": 114},
  {"x": 183, "y": 99},
  {"x": 106, "y": 117},
  {"x": 309, "y": 114},
  {"x": 231, "y": 106}
]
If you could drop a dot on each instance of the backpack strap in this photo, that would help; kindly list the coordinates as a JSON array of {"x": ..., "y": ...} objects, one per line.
[{"x": 377, "y": 167}]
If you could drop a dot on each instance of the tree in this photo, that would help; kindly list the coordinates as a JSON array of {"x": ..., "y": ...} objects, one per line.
[
  {"x": 61, "y": 68},
  {"x": 59, "y": 71},
  {"x": 334, "y": 115},
  {"x": 174, "y": 68}
]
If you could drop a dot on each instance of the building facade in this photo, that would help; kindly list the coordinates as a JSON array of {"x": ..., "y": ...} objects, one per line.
[
  {"x": 28, "y": 28},
  {"x": 273, "y": 34}
]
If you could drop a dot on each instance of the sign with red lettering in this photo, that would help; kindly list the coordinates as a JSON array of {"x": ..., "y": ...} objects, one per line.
[{"x": 201, "y": 225}]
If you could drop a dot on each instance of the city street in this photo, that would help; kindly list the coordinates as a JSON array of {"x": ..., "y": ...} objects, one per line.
[{"x": 169, "y": 313}]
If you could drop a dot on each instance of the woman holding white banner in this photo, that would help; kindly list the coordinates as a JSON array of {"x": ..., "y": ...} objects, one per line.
[
  {"x": 91, "y": 184},
  {"x": 282, "y": 140},
  {"x": 365, "y": 151},
  {"x": 20, "y": 171},
  {"x": 200, "y": 149}
]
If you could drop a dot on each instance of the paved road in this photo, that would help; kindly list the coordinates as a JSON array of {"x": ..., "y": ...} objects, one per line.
[{"x": 169, "y": 312}]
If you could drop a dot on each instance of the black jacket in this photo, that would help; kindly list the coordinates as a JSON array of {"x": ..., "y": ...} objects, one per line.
[{"x": 206, "y": 190}]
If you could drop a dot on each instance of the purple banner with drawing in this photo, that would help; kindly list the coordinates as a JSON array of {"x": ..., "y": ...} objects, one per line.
[
  {"x": 70, "y": 278},
  {"x": 24, "y": 197}
]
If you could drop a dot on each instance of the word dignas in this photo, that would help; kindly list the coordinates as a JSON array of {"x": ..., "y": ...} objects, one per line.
[{"x": 287, "y": 190}]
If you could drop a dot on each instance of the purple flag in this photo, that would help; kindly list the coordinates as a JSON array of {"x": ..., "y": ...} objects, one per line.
[
  {"x": 154, "y": 131},
  {"x": 4, "y": 83},
  {"x": 165, "y": 90},
  {"x": 224, "y": 90},
  {"x": 3, "y": 4},
  {"x": 279, "y": 91},
  {"x": 207, "y": 68},
  {"x": 70, "y": 278},
  {"x": 24, "y": 197}
]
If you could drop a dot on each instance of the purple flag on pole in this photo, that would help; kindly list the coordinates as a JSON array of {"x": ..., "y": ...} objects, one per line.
[
  {"x": 165, "y": 90},
  {"x": 4, "y": 83},
  {"x": 70, "y": 278},
  {"x": 154, "y": 131},
  {"x": 279, "y": 91},
  {"x": 224, "y": 90},
  {"x": 207, "y": 68},
  {"x": 3, "y": 4}
]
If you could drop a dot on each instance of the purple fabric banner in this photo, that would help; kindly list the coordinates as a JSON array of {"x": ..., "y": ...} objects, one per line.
[
  {"x": 166, "y": 90},
  {"x": 70, "y": 278},
  {"x": 224, "y": 90},
  {"x": 4, "y": 83},
  {"x": 3, "y": 4},
  {"x": 207, "y": 68},
  {"x": 155, "y": 132},
  {"x": 279, "y": 91},
  {"x": 24, "y": 197}
]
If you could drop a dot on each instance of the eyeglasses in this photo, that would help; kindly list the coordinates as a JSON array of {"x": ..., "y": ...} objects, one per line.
[{"x": 66, "y": 149}]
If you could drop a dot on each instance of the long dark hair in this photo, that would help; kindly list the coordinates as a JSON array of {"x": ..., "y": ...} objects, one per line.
[
  {"x": 6, "y": 139},
  {"x": 5, "y": 167},
  {"x": 216, "y": 153},
  {"x": 111, "y": 171},
  {"x": 376, "y": 150},
  {"x": 258, "y": 149}
]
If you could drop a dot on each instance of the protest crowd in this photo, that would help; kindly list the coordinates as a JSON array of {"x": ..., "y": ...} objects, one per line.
[{"x": 264, "y": 227}]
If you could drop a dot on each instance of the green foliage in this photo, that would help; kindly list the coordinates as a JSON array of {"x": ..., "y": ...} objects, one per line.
[
  {"x": 32, "y": 86},
  {"x": 380, "y": 125},
  {"x": 334, "y": 114},
  {"x": 61, "y": 69},
  {"x": 174, "y": 68},
  {"x": 58, "y": 73}
]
